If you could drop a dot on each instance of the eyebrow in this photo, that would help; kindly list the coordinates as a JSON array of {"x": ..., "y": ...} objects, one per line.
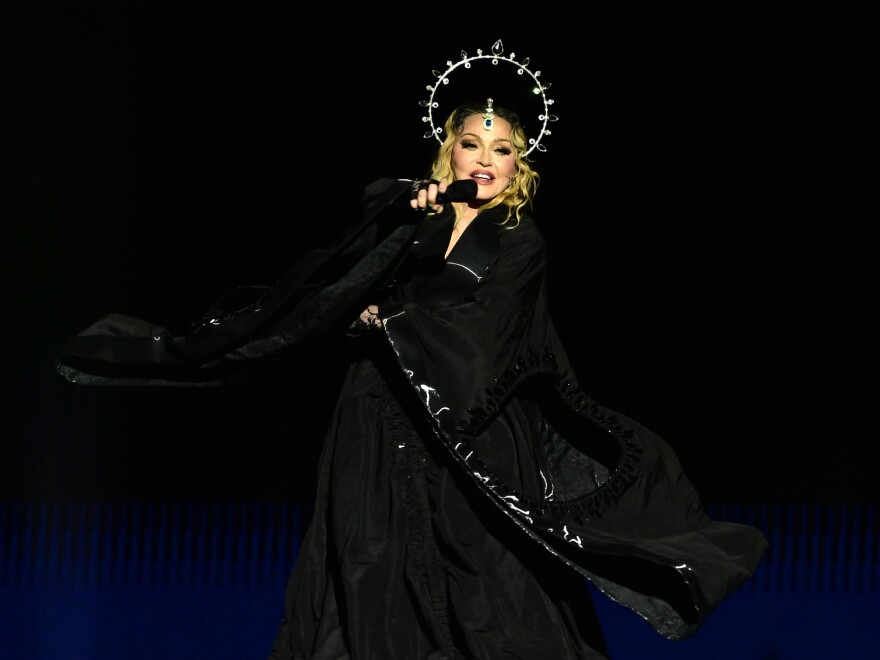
[{"x": 477, "y": 137}]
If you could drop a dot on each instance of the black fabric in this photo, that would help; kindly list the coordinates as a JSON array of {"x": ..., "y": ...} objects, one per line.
[
  {"x": 464, "y": 465},
  {"x": 592, "y": 486},
  {"x": 235, "y": 338},
  {"x": 404, "y": 559}
]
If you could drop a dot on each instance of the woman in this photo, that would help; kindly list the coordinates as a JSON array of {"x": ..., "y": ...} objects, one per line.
[
  {"x": 398, "y": 563},
  {"x": 464, "y": 469},
  {"x": 467, "y": 486}
]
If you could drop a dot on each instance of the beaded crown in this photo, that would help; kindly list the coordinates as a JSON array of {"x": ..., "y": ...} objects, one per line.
[{"x": 527, "y": 84}]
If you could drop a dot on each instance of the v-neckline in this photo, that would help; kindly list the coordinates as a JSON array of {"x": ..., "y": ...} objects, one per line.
[{"x": 450, "y": 250}]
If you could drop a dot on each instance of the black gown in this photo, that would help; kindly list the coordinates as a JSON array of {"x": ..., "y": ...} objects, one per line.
[{"x": 468, "y": 486}]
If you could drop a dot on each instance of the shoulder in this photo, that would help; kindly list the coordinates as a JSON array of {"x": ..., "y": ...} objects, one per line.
[
  {"x": 522, "y": 249},
  {"x": 525, "y": 234}
]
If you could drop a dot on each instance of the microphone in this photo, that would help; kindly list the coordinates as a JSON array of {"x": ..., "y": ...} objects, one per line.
[
  {"x": 463, "y": 190},
  {"x": 458, "y": 191}
]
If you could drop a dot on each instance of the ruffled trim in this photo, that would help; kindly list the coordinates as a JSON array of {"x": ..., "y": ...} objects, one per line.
[{"x": 553, "y": 516}]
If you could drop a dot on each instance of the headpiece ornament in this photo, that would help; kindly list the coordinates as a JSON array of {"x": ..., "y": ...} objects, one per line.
[
  {"x": 532, "y": 86},
  {"x": 488, "y": 116}
]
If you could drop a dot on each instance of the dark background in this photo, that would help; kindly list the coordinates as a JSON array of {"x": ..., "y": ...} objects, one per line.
[{"x": 703, "y": 194}]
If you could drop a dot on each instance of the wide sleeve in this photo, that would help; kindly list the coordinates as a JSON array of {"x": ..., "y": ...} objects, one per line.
[
  {"x": 616, "y": 505},
  {"x": 250, "y": 327}
]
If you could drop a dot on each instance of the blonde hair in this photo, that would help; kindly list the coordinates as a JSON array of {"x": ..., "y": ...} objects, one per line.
[{"x": 523, "y": 185}]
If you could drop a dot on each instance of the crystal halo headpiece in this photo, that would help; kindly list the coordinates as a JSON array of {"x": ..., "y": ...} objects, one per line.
[{"x": 530, "y": 82}]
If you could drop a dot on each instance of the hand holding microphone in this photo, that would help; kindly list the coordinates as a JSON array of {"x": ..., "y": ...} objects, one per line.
[{"x": 428, "y": 194}]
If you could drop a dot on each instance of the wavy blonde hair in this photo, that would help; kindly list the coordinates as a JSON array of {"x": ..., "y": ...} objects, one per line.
[{"x": 525, "y": 181}]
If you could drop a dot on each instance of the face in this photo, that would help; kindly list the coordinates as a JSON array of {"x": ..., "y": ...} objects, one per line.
[{"x": 487, "y": 157}]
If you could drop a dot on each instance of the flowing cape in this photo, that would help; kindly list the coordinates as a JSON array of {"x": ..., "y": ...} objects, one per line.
[{"x": 591, "y": 486}]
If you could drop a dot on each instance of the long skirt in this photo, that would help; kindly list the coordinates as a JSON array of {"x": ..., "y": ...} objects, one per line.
[{"x": 405, "y": 560}]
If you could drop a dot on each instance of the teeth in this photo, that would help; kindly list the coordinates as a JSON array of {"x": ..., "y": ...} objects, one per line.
[{"x": 482, "y": 176}]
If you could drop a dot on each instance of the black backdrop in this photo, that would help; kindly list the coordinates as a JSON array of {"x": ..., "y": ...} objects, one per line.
[{"x": 703, "y": 196}]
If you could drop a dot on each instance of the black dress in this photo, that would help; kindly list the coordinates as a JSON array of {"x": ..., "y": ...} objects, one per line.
[
  {"x": 468, "y": 486},
  {"x": 404, "y": 557}
]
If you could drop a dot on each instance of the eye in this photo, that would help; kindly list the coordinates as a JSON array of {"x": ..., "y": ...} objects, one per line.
[
  {"x": 467, "y": 144},
  {"x": 504, "y": 151}
]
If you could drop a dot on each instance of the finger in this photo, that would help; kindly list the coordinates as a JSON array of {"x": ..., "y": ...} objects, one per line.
[
  {"x": 435, "y": 190},
  {"x": 421, "y": 194},
  {"x": 419, "y": 199},
  {"x": 420, "y": 203},
  {"x": 418, "y": 186}
]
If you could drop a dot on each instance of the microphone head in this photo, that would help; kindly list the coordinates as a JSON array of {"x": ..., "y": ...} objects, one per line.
[{"x": 460, "y": 191}]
